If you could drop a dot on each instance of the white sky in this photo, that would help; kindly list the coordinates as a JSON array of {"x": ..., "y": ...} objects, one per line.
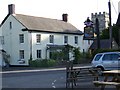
[{"x": 77, "y": 10}]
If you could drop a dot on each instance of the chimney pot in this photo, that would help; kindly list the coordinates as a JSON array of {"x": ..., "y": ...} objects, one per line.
[
  {"x": 11, "y": 9},
  {"x": 65, "y": 17}
]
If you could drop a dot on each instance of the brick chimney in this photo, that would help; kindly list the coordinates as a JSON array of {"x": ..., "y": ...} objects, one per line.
[
  {"x": 65, "y": 17},
  {"x": 11, "y": 9}
]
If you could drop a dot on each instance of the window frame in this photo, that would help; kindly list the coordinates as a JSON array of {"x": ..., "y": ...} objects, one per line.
[
  {"x": 76, "y": 39},
  {"x": 38, "y": 53},
  {"x": 10, "y": 25},
  {"x": 2, "y": 40},
  {"x": 51, "y": 39},
  {"x": 21, "y": 38},
  {"x": 65, "y": 39},
  {"x": 21, "y": 54},
  {"x": 38, "y": 38}
]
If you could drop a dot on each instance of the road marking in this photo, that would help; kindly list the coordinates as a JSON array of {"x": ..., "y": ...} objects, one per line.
[
  {"x": 53, "y": 86},
  {"x": 54, "y": 83},
  {"x": 19, "y": 71},
  {"x": 38, "y": 70},
  {"x": 55, "y": 80}
]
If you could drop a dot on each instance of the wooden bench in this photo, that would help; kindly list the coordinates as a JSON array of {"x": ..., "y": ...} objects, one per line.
[
  {"x": 73, "y": 75},
  {"x": 87, "y": 72},
  {"x": 103, "y": 84}
]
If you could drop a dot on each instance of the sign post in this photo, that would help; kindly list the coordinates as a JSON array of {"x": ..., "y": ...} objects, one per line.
[{"x": 88, "y": 30}]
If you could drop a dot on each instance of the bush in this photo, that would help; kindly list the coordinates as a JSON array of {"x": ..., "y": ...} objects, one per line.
[
  {"x": 103, "y": 50},
  {"x": 42, "y": 63}
]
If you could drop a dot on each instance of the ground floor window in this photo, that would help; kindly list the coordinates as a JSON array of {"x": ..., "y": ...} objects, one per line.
[
  {"x": 38, "y": 53},
  {"x": 21, "y": 54}
]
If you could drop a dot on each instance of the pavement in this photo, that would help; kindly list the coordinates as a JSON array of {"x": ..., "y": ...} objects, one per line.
[{"x": 25, "y": 68}]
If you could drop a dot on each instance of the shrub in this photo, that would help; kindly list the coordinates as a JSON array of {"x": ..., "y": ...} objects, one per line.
[
  {"x": 42, "y": 63},
  {"x": 104, "y": 50}
]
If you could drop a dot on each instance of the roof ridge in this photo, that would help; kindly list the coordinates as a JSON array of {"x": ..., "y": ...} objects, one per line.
[{"x": 40, "y": 17}]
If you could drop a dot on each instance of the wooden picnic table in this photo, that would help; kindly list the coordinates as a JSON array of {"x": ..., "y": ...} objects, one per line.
[
  {"x": 75, "y": 73},
  {"x": 111, "y": 77},
  {"x": 114, "y": 73}
]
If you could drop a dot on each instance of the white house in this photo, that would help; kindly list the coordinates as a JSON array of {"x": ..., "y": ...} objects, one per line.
[
  {"x": 1, "y": 47},
  {"x": 28, "y": 37}
]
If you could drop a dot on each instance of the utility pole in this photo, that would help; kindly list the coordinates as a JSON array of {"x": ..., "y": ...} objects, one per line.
[
  {"x": 98, "y": 33},
  {"x": 110, "y": 26}
]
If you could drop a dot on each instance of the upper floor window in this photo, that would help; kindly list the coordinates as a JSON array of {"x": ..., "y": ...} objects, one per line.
[
  {"x": 76, "y": 39},
  {"x": 21, "y": 38},
  {"x": 65, "y": 39},
  {"x": 38, "y": 53},
  {"x": 38, "y": 38},
  {"x": 10, "y": 25},
  {"x": 51, "y": 38},
  {"x": 21, "y": 54},
  {"x": 1, "y": 40}
]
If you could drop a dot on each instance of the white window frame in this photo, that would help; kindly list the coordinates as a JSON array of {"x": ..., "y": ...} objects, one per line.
[
  {"x": 21, "y": 54},
  {"x": 38, "y": 38},
  {"x": 21, "y": 38},
  {"x": 38, "y": 53},
  {"x": 10, "y": 25},
  {"x": 65, "y": 39},
  {"x": 1, "y": 40},
  {"x": 51, "y": 39},
  {"x": 76, "y": 39}
]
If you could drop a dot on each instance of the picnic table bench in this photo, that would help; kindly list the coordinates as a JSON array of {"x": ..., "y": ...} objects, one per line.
[
  {"x": 73, "y": 74},
  {"x": 115, "y": 79},
  {"x": 103, "y": 84}
]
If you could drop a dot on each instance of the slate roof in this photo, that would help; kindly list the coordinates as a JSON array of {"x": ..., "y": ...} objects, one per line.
[
  {"x": 104, "y": 44},
  {"x": 46, "y": 24}
]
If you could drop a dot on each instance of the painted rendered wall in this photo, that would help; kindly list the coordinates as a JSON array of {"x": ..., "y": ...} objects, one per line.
[
  {"x": 11, "y": 39},
  {"x": 12, "y": 45}
]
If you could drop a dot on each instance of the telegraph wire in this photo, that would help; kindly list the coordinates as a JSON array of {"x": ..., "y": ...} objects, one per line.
[{"x": 114, "y": 7}]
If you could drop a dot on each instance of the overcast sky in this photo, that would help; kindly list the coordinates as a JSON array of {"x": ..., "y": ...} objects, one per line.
[{"x": 77, "y": 10}]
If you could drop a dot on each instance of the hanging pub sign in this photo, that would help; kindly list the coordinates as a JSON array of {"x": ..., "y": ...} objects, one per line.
[
  {"x": 88, "y": 30},
  {"x": 88, "y": 33}
]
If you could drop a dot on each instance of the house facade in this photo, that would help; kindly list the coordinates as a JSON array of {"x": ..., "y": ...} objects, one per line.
[
  {"x": 1, "y": 42},
  {"x": 27, "y": 37}
]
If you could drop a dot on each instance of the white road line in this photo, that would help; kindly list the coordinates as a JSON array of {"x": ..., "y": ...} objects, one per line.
[
  {"x": 19, "y": 71},
  {"x": 53, "y": 86},
  {"x": 54, "y": 69},
  {"x": 55, "y": 80}
]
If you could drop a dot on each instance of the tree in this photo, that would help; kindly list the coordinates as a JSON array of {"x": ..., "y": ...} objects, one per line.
[
  {"x": 104, "y": 34},
  {"x": 115, "y": 33}
]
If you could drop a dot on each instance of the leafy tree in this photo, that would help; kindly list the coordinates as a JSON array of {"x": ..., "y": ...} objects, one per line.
[
  {"x": 115, "y": 33},
  {"x": 105, "y": 34},
  {"x": 77, "y": 55}
]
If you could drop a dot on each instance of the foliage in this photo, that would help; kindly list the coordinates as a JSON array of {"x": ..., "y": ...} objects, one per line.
[
  {"x": 77, "y": 55},
  {"x": 58, "y": 55},
  {"x": 42, "y": 63},
  {"x": 115, "y": 33},
  {"x": 103, "y": 50},
  {"x": 104, "y": 34}
]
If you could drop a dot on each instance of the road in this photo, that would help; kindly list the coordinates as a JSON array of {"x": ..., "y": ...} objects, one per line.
[
  {"x": 40, "y": 79},
  {"x": 36, "y": 79}
]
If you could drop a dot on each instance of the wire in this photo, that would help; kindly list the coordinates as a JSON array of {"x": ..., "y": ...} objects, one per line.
[{"x": 114, "y": 7}]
